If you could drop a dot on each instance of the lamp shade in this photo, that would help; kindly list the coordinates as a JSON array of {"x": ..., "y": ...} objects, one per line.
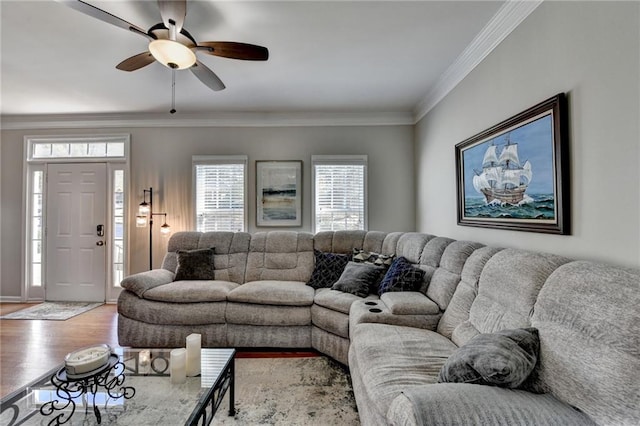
[
  {"x": 165, "y": 229},
  {"x": 144, "y": 209},
  {"x": 172, "y": 54},
  {"x": 141, "y": 221}
]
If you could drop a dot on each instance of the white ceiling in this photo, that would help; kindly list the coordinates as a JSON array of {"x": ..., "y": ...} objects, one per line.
[{"x": 325, "y": 56}]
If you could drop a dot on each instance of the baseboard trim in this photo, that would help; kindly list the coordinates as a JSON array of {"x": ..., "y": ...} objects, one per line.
[{"x": 11, "y": 299}]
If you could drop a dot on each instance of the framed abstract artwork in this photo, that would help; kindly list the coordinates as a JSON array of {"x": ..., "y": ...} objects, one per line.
[
  {"x": 279, "y": 193},
  {"x": 515, "y": 175}
]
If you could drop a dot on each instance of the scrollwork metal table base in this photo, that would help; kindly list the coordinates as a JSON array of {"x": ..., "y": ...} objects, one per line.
[{"x": 110, "y": 377}]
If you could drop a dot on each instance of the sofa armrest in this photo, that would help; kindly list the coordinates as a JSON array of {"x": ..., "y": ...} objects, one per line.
[
  {"x": 464, "y": 403},
  {"x": 377, "y": 311},
  {"x": 143, "y": 281},
  {"x": 409, "y": 303}
]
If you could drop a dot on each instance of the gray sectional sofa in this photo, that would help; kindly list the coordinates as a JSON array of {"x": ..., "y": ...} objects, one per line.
[{"x": 586, "y": 314}]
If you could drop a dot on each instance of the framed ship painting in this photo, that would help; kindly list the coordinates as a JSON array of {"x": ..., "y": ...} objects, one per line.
[
  {"x": 279, "y": 193},
  {"x": 515, "y": 174}
]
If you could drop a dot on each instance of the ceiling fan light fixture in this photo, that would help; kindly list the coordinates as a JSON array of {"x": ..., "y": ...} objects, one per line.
[{"x": 172, "y": 54}]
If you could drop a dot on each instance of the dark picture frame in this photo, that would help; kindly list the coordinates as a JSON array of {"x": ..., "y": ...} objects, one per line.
[
  {"x": 279, "y": 193},
  {"x": 515, "y": 175}
]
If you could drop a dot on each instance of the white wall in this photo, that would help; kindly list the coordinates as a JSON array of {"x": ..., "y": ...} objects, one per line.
[
  {"x": 590, "y": 50},
  {"x": 161, "y": 158}
]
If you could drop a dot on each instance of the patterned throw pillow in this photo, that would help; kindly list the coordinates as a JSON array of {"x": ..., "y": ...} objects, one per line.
[
  {"x": 195, "y": 265},
  {"x": 328, "y": 268},
  {"x": 358, "y": 279},
  {"x": 401, "y": 276},
  {"x": 373, "y": 258},
  {"x": 505, "y": 359}
]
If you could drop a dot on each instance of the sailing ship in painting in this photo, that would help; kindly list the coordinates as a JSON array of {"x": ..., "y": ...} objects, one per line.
[{"x": 503, "y": 179}]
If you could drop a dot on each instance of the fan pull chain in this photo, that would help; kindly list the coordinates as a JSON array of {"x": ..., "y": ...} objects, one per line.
[{"x": 173, "y": 91}]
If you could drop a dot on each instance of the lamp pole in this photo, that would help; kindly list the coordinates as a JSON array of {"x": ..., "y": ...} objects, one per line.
[{"x": 141, "y": 220}]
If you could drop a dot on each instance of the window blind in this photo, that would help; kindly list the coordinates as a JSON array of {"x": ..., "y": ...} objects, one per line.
[
  {"x": 340, "y": 195},
  {"x": 220, "y": 196}
]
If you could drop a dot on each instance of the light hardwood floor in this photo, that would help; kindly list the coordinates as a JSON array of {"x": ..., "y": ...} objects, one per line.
[{"x": 30, "y": 348}]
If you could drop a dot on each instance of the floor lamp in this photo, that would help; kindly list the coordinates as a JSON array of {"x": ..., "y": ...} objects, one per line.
[{"x": 145, "y": 215}]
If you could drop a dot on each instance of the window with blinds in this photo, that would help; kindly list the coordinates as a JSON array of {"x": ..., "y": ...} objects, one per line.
[
  {"x": 340, "y": 192},
  {"x": 220, "y": 184}
]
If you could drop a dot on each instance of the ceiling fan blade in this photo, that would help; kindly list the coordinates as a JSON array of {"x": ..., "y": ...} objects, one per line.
[
  {"x": 173, "y": 12},
  {"x": 102, "y": 15},
  {"x": 234, "y": 50},
  {"x": 208, "y": 77},
  {"x": 136, "y": 62}
]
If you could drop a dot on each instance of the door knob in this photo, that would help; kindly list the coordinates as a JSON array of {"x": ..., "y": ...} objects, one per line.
[{"x": 100, "y": 243}]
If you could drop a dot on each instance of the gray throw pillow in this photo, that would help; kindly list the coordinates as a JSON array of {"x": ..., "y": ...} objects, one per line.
[
  {"x": 358, "y": 279},
  {"x": 505, "y": 359},
  {"x": 195, "y": 265}
]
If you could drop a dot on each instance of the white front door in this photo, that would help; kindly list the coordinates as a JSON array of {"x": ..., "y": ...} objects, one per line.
[{"x": 76, "y": 216}]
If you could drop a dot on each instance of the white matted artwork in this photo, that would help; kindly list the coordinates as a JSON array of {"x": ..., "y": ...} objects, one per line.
[{"x": 279, "y": 193}]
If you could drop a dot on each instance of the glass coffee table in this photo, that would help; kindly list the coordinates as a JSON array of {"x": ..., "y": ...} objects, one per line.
[{"x": 128, "y": 393}]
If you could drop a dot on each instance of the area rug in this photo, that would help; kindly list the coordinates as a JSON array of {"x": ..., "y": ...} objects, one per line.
[
  {"x": 290, "y": 391},
  {"x": 59, "y": 311}
]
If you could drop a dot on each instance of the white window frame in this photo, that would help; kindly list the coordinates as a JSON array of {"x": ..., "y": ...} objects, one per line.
[
  {"x": 198, "y": 160},
  {"x": 112, "y": 291},
  {"x": 360, "y": 160}
]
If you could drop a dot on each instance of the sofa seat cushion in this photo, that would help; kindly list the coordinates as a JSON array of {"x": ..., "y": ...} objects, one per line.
[
  {"x": 337, "y": 300},
  {"x": 268, "y": 292},
  {"x": 168, "y": 313},
  {"x": 254, "y": 314},
  {"x": 463, "y": 404},
  {"x": 191, "y": 291},
  {"x": 392, "y": 359}
]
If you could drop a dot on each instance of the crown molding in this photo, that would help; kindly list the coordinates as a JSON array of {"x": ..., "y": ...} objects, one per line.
[
  {"x": 508, "y": 17},
  {"x": 239, "y": 119}
]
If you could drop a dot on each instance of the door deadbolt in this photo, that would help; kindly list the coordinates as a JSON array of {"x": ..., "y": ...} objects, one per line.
[
  {"x": 100, "y": 243},
  {"x": 100, "y": 230}
]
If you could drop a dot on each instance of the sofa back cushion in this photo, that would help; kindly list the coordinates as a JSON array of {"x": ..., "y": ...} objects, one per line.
[
  {"x": 588, "y": 320},
  {"x": 345, "y": 241},
  {"x": 507, "y": 291},
  {"x": 465, "y": 292},
  {"x": 230, "y": 248},
  {"x": 280, "y": 255}
]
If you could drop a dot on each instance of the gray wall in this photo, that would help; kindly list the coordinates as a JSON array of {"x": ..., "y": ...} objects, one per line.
[
  {"x": 589, "y": 50},
  {"x": 161, "y": 158}
]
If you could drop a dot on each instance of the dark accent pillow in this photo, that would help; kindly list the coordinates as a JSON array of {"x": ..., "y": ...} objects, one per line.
[
  {"x": 505, "y": 359},
  {"x": 328, "y": 268},
  {"x": 195, "y": 265},
  {"x": 358, "y": 278},
  {"x": 361, "y": 256},
  {"x": 401, "y": 276}
]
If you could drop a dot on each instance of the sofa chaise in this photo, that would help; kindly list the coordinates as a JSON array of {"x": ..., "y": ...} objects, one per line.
[{"x": 585, "y": 314}]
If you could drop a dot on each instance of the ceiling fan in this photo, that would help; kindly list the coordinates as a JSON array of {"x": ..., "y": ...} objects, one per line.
[{"x": 172, "y": 45}]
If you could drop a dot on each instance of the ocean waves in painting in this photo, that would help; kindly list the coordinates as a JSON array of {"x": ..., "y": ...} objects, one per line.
[{"x": 536, "y": 206}]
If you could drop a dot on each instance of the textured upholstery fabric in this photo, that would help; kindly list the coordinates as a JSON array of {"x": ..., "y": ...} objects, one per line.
[
  {"x": 465, "y": 293},
  {"x": 409, "y": 303},
  {"x": 328, "y": 268},
  {"x": 379, "y": 313},
  {"x": 253, "y": 314},
  {"x": 588, "y": 316},
  {"x": 505, "y": 359},
  {"x": 337, "y": 300},
  {"x": 230, "y": 258},
  {"x": 268, "y": 336},
  {"x": 359, "y": 279},
  {"x": 447, "y": 275},
  {"x": 339, "y": 241},
  {"x": 328, "y": 343},
  {"x": 165, "y": 313},
  {"x": 411, "y": 244},
  {"x": 144, "y": 281},
  {"x": 454, "y": 404},
  {"x": 195, "y": 264},
  {"x": 280, "y": 255},
  {"x": 392, "y": 359},
  {"x": 401, "y": 276},
  {"x": 329, "y": 320},
  {"x": 508, "y": 288},
  {"x": 191, "y": 291},
  {"x": 140, "y": 334},
  {"x": 281, "y": 293}
]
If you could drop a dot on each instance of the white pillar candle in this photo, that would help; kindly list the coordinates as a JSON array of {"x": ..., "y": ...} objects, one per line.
[
  {"x": 178, "y": 365},
  {"x": 144, "y": 361},
  {"x": 194, "y": 344}
]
